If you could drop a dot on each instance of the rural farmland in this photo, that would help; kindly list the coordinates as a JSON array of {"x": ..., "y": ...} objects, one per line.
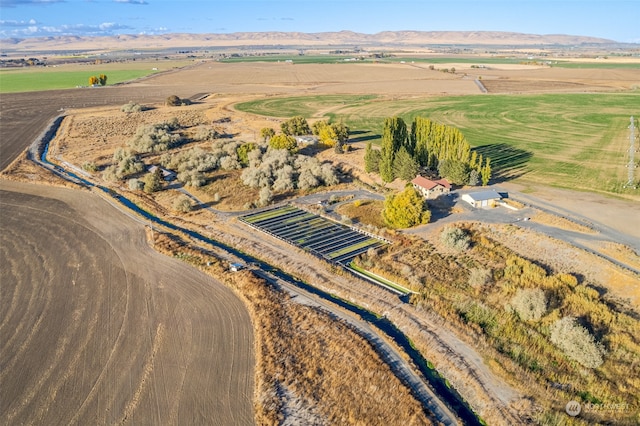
[
  {"x": 100, "y": 328},
  {"x": 575, "y": 141}
]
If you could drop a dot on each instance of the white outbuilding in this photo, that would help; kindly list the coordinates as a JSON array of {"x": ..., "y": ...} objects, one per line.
[{"x": 482, "y": 199}]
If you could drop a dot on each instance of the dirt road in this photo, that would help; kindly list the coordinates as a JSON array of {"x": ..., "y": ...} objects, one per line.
[{"x": 97, "y": 328}]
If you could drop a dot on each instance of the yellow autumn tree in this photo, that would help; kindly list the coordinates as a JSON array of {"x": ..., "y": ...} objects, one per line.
[{"x": 405, "y": 209}]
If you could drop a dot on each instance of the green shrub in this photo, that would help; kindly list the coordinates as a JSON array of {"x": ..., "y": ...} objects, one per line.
[
  {"x": 90, "y": 166},
  {"x": 405, "y": 209},
  {"x": 480, "y": 314}
]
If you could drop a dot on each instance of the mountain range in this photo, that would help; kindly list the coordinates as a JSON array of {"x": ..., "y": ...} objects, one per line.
[{"x": 324, "y": 39}]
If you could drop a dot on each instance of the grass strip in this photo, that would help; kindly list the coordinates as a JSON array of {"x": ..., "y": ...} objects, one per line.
[
  {"x": 353, "y": 247},
  {"x": 381, "y": 280},
  {"x": 269, "y": 214}
]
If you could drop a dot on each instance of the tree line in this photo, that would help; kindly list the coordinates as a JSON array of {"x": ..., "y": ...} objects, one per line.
[
  {"x": 429, "y": 145},
  {"x": 329, "y": 134},
  {"x": 99, "y": 80}
]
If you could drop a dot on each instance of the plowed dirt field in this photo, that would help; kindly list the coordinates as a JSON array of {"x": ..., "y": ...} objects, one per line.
[{"x": 97, "y": 328}]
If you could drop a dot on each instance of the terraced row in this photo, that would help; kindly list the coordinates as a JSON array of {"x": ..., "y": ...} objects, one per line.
[{"x": 320, "y": 236}]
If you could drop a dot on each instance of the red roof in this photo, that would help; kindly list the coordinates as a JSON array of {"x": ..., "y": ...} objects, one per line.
[{"x": 430, "y": 184}]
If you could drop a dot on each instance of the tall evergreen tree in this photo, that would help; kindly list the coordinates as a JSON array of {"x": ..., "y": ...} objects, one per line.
[
  {"x": 371, "y": 159},
  {"x": 404, "y": 166}
]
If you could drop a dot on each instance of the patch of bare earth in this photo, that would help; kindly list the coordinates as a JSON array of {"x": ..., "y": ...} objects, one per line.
[{"x": 561, "y": 222}]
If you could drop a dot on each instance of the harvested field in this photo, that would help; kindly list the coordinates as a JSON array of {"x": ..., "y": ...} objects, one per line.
[{"x": 97, "y": 328}]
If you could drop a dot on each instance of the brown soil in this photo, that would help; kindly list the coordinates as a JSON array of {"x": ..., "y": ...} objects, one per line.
[{"x": 97, "y": 328}]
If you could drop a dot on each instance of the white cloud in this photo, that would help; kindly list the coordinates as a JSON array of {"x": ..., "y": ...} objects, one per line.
[
  {"x": 14, "y": 3},
  {"x": 11, "y": 23},
  {"x": 103, "y": 29},
  {"x": 131, "y": 1}
]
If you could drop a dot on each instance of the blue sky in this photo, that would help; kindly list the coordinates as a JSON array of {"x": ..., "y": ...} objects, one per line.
[{"x": 612, "y": 19}]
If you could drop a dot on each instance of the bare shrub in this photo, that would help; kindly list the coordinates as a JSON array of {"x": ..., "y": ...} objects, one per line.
[
  {"x": 307, "y": 180},
  {"x": 193, "y": 159},
  {"x": 206, "y": 134},
  {"x": 346, "y": 220},
  {"x": 156, "y": 137},
  {"x": 529, "y": 304},
  {"x": 577, "y": 343},
  {"x": 132, "y": 107},
  {"x": 284, "y": 179},
  {"x": 230, "y": 162},
  {"x": 455, "y": 238},
  {"x": 280, "y": 170},
  {"x": 192, "y": 178},
  {"x": 126, "y": 164},
  {"x": 109, "y": 174},
  {"x": 173, "y": 100},
  {"x": 265, "y": 196},
  {"x": 479, "y": 277},
  {"x": 135, "y": 184}
]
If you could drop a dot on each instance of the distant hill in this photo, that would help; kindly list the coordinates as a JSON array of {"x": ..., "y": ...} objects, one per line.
[{"x": 341, "y": 38}]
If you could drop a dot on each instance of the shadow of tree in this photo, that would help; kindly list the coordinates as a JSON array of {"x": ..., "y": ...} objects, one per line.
[
  {"x": 442, "y": 206},
  {"x": 362, "y": 136},
  {"x": 507, "y": 162}
]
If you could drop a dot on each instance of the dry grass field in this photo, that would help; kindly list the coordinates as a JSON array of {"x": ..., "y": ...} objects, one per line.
[
  {"x": 313, "y": 368},
  {"x": 97, "y": 328}
]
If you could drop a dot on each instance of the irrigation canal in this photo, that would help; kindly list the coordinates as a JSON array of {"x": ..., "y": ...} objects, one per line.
[{"x": 38, "y": 153}]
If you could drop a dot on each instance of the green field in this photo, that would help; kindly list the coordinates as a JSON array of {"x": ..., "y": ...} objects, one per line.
[
  {"x": 577, "y": 141},
  {"x": 330, "y": 59},
  {"x": 595, "y": 65},
  {"x": 12, "y": 81},
  {"x": 68, "y": 76}
]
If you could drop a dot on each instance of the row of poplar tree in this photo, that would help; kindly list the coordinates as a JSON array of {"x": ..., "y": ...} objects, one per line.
[{"x": 428, "y": 145}]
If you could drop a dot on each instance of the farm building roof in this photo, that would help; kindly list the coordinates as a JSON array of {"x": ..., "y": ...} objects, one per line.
[
  {"x": 166, "y": 174},
  {"x": 430, "y": 184},
  {"x": 484, "y": 195}
]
